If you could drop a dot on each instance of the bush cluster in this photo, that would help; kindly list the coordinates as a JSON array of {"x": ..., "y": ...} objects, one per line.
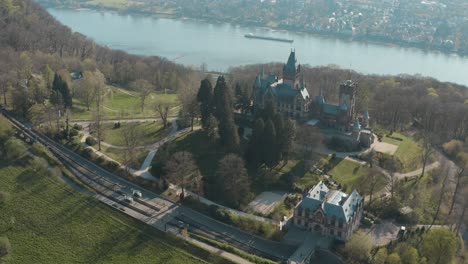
[
  {"x": 91, "y": 141},
  {"x": 266, "y": 230}
]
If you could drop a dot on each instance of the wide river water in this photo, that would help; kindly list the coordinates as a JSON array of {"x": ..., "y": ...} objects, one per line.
[{"x": 220, "y": 46}]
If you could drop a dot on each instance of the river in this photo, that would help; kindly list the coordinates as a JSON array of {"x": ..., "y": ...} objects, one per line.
[{"x": 221, "y": 46}]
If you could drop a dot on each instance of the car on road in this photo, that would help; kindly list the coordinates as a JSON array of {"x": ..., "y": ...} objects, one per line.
[
  {"x": 128, "y": 199},
  {"x": 137, "y": 193}
]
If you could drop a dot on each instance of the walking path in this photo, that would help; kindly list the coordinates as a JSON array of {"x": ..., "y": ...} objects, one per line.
[{"x": 144, "y": 172}]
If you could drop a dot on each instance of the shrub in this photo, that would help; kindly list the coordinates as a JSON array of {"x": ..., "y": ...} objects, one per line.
[
  {"x": 89, "y": 154},
  {"x": 229, "y": 248},
  {"x": 91, "y": 141},
  {"x": 5, "y": 247},
  {"x": 267, "y": 230},
  {"x": 15, "y": 149},
  {"x": 453, "y": 147},
  {"x": 77, "y": 127},
  {"x": 4, "y": 197},
  {"x": 74, "y": 132}
]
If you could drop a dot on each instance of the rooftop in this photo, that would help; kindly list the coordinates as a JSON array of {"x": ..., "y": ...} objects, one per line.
[{"x": 333, "y": 202}]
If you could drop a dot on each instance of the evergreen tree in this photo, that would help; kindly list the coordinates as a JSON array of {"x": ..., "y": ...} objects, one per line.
[
  {"x": 243, "y": 98},
  {"x": 61, "y": 86},
  {"x": 212, "y": 128},
  {"x": 288, "y": 136},
  {"x": 205, "y": 98},
  {"x": 270, "y": 150},
  {"x": 223, "y": 112},
  {"x": 254, "y": 153},
  {"x": 268, "y": 112},
  {"x": 280, "y": 135}
]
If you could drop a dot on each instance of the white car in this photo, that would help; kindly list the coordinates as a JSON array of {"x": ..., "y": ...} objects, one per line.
[
  {"x": 137, "y": 193},
  {"x": 128, "y": 199}
]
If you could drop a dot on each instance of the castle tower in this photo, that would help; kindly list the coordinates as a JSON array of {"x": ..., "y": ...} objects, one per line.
[
  {"x": 290, "y": 70},
  {"x": 348, "y": 101}
]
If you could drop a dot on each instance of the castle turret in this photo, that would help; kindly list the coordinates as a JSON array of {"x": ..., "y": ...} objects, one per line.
[{"x": 290, "y": 70}]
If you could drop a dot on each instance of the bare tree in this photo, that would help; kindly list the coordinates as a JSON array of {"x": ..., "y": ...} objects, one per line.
[
  {"x": 233, "y": 179},
  {"x": 427, "y": 150},
  {"x": 369, "y": 183},
  {"x": 131, "y": 135},
  {"x": 441, "y": 198},
  {"x": 461, "y": 217},
  {"x": 162, "y": 108},
  {"x": 182, "y": 170},
  {"x": 5, "y": 85},
  {"x": 188, "y": 99},
  {"x": 144, "y": 88},
  {"x": 84, "y": 88},
  {"x": 460, "y": 174},
  {"x": 98, "y": 116}
]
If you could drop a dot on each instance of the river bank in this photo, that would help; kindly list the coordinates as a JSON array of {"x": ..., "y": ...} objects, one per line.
[
  {"x": 169, "y": 14},
  {"x": 222, "y": 45}
]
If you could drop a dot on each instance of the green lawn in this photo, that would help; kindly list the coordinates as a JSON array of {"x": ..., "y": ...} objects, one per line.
[
  {"x": 408, "y": 152},
  {"x": 48, "y": 222},
  {"x": 119, "y": 103},
  {"x": 118, "y": 155},
  {"x": 349, "y": 173},
  {"x": 151, "y": 133},
  {"x": 294, "y": 168}
]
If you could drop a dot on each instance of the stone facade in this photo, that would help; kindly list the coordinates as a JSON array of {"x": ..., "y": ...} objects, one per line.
[
  {"x": 289, "y": 95},
  {"x": 329, "y": 212}
]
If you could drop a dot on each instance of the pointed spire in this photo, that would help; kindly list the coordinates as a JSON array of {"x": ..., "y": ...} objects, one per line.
[
  {"x": 263, "y": 71},
  {"x": 302, "y": 82},
  {"x": 366, "y": 115}
]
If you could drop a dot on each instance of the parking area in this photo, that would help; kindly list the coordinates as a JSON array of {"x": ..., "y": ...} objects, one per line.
[
  {"x": 266, "y": 201},
  {"x": 386, "y": 148},
  {"x": 383, "y": 233}
]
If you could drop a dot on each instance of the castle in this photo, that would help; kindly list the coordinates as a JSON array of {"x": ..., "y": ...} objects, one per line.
[{"x": 290, "y": 97}]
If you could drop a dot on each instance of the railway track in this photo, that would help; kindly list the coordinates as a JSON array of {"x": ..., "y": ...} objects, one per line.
[
  {"x": 114, "y": 190},
  {"x": 100, "y": 185}
]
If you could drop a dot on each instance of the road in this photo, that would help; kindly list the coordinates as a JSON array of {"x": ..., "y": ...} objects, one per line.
[{"x": 152, "y": 209}]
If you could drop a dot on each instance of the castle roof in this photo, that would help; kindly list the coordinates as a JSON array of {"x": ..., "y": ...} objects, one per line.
[
  {"x": 331, "y": 109},
  {"x": 332, "y": 202},
  {"x": 289, "y": 68},
  {"x": 319, "y": 100},
  {"x": 356, "y": 125},
  {"x": 366, "y": 115},
  {"x": 344, "y": 107}
]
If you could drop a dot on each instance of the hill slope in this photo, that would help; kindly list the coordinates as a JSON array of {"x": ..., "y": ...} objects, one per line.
[{"x": 48, "y": 222}]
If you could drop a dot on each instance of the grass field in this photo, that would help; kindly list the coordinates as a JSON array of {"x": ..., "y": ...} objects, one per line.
[
  {"x": 294, "y": 168},
  {"x": 48, "y": 222},
  {"x": 151, "y": 133},
  {"x": 119, "y": 103},
  {"x": 118, "y": 155},
  {"x": 350, "y": 173},
  {"x": 408, "y": 152}
]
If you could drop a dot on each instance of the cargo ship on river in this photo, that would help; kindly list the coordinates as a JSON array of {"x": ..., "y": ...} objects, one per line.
[{"x": 252, "y": 36}]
